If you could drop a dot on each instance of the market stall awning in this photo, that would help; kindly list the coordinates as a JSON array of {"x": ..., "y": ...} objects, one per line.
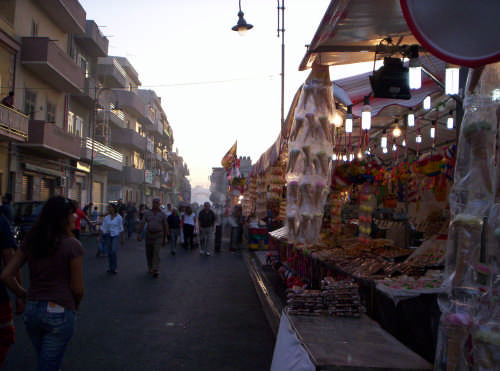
[{"x": 351, "y": 30}]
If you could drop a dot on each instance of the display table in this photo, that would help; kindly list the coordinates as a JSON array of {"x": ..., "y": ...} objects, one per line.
[
  {"x": 306, "y": 343},
  {"x": 258, "y": 237}
]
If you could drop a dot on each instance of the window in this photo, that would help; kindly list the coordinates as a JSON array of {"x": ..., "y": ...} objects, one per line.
[
  {"x": 78, "y": 126},
  {"x": 7, "y": 10},
  {"x": 34, "y": 28},
  {"x": 29, "y": 103},
  {"x": 71, "y": 122},
  {"x": 138, "y": 161},
  {"x": 84, "y": 65},
  {"x": 50, "y": 112},
  {"x": 75, "y": 124}
]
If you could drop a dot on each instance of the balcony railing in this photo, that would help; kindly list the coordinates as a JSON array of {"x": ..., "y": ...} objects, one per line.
[
  {"x": 69, "y": 15},
  {"x": 53, "y": 140},
  {"x": 114, "y": 116},
  {"x": 13, "y": 124},
  {"x": 93, "y": 41},
  {"x": 43, "y": 57},
  {"x": 103, "y": 155}
]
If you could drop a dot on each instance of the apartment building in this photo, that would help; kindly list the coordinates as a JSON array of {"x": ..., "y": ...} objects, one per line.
[
  {"x": 42, "y": 74},
  {"x": 159, "y": 144},
  {"x": 79, "y": 125}
]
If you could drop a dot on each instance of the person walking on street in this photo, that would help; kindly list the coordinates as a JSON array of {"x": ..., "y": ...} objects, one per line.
[
  {"x": 130, "y": 218},
  {"x": 168, "y": 210},
  {"x": 237, "y": 221},
  {"x": 55, "y": 260},
  {"x": 79, "y": 215},
  {"x": 174, "y": 226},
  {"x": 188, "y": 223},
  {"x": 111, "y": 230},
  {"x": 156, "y": 234},
  {"x": 122, "y": 208},
  {"x": 206, "y": 222},
  {"x": 7, "y": 250}
]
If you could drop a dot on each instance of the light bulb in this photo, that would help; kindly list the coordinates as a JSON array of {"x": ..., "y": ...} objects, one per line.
[
  {"x": 348, "y": 123},
  {"x": 334, "y": 157},
  {"x": 415, "y": 77},
  {"x": 433, "y": 132},
  {"x": 366, "y": 118},
  {"x": 366, "y": 115},
  {"x": 394, "y": 147},
  {"x": 451, "y": 80},
  {"x": 351, "y": 156},
  {"x": 449, "y": 121},
  {"x": 337, "y": 120},
  {"x": 360, "y": 155},
  {"x": 418, "y": 138},
  {"x": 384, "y": 150},
  {"x": 383, "y": 142},
  {"x": 427, "y": 102},
  {"x": 396, "y": 132},
  {"x": 403, "y": 143},
  {"x": 411, "y": 119},
  {"x": 344, "y": 158}
]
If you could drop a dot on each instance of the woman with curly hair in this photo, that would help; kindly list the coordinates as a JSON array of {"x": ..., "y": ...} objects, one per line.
[{"x": 55, "y": 260}]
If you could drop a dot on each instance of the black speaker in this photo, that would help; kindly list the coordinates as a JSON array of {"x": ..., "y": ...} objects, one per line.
[{"x": 391, "y": 80}]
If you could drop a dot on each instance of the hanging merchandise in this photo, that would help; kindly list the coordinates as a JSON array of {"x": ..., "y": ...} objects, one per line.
[
  {"x": 470, "y": 322},
  {"x": 310, "y": 150}
]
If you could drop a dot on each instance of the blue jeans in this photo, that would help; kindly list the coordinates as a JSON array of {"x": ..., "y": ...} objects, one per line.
[
  {"x": 49, "y": 333},
  {"x": 111, "y": 245},
  {"x": 173, "y": 236},
  {"x": 102, "y": 244}
]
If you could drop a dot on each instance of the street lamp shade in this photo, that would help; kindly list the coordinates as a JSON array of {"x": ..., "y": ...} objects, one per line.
[{"x": 242, "y": 26}]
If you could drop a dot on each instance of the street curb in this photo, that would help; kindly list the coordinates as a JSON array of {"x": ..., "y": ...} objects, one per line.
[{"x": 270, "y": 302}]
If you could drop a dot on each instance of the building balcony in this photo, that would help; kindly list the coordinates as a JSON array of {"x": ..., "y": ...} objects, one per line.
[
  {"x": 129, "y": 175},
  {"x": 103, "y": 155},
  {"x": 111, "y": 73},
  {"x": 69, "y": 15},
  {"x": 159, "y": 127},
  {"x": 89, "y": 89},
  {"x": 13, "y": 124},
  {"x": 92, "y": 41},
  {"x": 128, "y": 138},
  {"x": 43, "y": 57},
  {"x": 51, "y": 140},
  {"x": 113, "y": 116},
  {"x": 133, "y": 103}
]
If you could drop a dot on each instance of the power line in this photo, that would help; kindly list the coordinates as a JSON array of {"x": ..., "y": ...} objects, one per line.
[{"x": 208, "y": 82}]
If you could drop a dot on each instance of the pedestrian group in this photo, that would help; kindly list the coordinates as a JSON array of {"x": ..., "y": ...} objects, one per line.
[{"x": 54, "y": 255}]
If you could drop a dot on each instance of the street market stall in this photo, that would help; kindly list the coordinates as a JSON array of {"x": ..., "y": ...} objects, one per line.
[{"x": 384, "y": 226}]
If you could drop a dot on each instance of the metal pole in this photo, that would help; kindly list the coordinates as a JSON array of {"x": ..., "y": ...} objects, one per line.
[
  {"x": 93, "y": 118},
  {"x": 282, "y": 30}
]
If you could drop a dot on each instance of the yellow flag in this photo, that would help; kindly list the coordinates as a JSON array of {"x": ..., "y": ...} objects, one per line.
[{"x": 230, "y": 157}]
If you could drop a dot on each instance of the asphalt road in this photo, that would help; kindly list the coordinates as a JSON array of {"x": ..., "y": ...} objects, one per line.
[{"x": 202, "y": 313}]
